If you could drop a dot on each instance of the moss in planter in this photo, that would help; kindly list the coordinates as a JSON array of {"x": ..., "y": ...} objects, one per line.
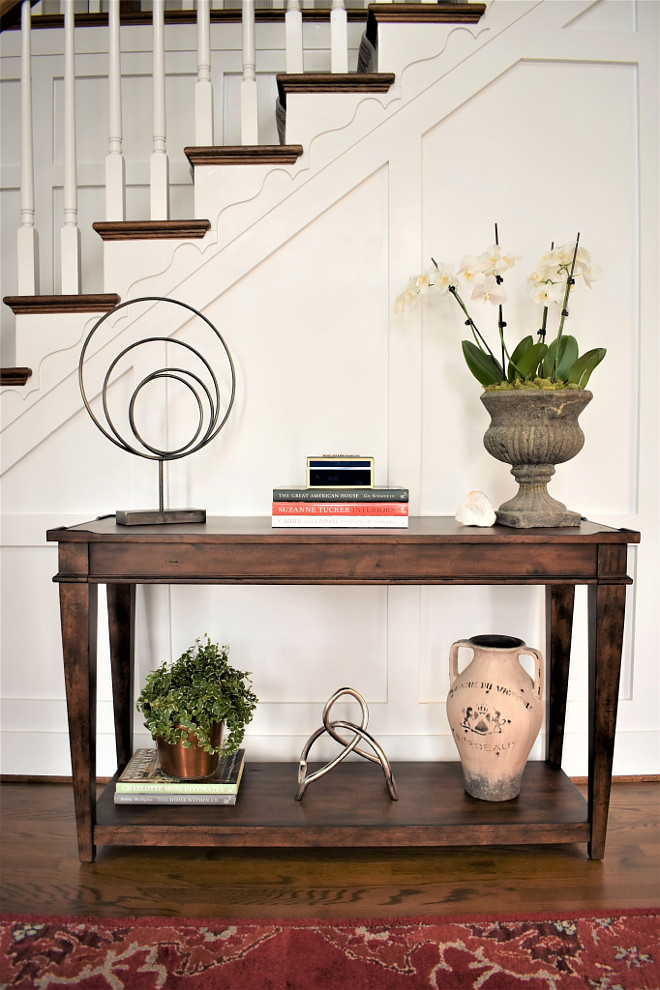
[{"x": 535, "y": 385}]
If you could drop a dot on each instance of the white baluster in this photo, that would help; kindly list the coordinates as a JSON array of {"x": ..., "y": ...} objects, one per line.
[
  {"x": 338, "y": 37},
  {"x": 70, "y": 233},
  {"x": 249, "y": 107},
  {"x": 115, "y": 168},
  {"x": 203, "y": 86},
  {"x": 159, "y": 164},
  {"x": 294, "y": 36},
  {"x": 28, "y": 242}
]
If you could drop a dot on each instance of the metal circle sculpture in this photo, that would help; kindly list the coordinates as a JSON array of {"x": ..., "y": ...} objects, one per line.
[{"x": 199, "y": 379}]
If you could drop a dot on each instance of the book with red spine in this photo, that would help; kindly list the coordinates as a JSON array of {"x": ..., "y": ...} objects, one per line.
[{"x": 317, "y": 509}]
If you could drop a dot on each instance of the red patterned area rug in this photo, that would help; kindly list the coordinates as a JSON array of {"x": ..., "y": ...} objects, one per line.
[{"x": 611, "y": 951}]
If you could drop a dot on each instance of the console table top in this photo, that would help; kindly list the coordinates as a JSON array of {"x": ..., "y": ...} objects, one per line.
[{"x": 258, "y": 529}]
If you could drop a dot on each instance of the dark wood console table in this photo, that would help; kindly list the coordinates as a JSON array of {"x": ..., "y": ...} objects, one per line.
[{"x": 349, "y": 807}]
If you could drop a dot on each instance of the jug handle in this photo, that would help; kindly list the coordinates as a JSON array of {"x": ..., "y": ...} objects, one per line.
[
  {"x": 539, "y": 668},
  {"x": 453, "y": 657}
]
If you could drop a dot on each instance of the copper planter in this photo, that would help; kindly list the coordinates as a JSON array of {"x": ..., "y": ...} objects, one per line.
[{"x": 189, "y": 763}]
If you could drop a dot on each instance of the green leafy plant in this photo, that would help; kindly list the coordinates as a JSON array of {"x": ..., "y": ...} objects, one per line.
[
  {"x": 532, "y": 363},
  {"x": 195, "y": 691}
]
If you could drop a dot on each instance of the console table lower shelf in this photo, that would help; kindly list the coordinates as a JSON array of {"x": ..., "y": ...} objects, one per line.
[{"x": 351, "y": 807}]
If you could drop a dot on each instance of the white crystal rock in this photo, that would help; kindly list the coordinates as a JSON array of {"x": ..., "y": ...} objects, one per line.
[{"x": 476, "y": 510}]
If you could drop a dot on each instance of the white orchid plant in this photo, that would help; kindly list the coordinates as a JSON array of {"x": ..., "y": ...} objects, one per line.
[{"x": 531, "y": 363}]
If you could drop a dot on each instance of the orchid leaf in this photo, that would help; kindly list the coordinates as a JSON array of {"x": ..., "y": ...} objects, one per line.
[
  {"x": 580, "y": 372},
  {"x": 528, "y": 363},
  {"x": 483, "y": 366},
  {"x": 521, "y": 349},
  {"x": 568, "y": 355}
]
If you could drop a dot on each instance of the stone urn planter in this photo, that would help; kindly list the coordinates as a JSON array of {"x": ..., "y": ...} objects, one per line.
[
  {"x": 495, "y": 711},
  {"x": 534, "y": 429}
]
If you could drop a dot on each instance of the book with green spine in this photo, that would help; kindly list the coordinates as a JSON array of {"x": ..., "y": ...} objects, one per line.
[{"x": 143, "y": 774}]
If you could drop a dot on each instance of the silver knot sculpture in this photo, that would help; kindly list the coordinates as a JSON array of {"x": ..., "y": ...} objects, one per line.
[{"x": 360, "y": 734}]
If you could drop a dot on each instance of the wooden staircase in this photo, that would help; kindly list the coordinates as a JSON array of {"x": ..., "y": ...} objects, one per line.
[{"x": 361, "y": 83}]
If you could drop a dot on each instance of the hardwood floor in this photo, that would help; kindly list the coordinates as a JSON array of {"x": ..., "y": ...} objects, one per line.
[{"x": 40, "y": 871}]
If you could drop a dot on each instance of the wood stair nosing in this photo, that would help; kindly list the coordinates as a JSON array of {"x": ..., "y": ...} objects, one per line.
[
  {"x": 421, "y": 13},
  {"x": 244, "y": 154},
  {"x": 99, "y": 302},
  {"x": 131, "y": 230},
  {"x": 15, "y": 376},
  {"x": 332, "y": 82}
]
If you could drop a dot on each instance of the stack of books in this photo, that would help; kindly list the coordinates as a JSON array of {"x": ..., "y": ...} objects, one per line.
[
  {"x": 143, "y": 782},
  {"x": 350, "y": 508}
]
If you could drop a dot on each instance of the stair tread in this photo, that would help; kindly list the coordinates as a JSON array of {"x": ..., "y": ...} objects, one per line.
[
  {"x": 125, "y": 230},
  {"x": 244, "y": 154},
  {"x": 332, "y": 82},
  {"x": 94, "y": 302},
  {"x": 14, "y": 376},
  {"x": 421, "y": 13}
]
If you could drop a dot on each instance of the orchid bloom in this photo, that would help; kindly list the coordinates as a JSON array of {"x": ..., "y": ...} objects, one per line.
[
  {"x": 408, "y": 297},
  {"x": 488, "y": 289},
  {"x": 542, "y": 274},
  {"x": 443, "y": 275},
  {"x": 585, "y": 267},
  {"x": 438, "y": 279},
  {"x": 547, "y": 293},
  {"x": 555, "y": 266},
  {"x": 495, "y": 262},
  {"x": 469, "y": 268},
  {"x": 424, "y": 281}
]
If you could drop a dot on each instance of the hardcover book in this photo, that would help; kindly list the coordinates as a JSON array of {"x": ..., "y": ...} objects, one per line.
[
  {"x": 145, "y": 797},
  {"x": 317, "y": 509},
  {"x": 143, "y": 775},
  {"x": 385, "y": 493},
  {"x": 339, "y": 522}
]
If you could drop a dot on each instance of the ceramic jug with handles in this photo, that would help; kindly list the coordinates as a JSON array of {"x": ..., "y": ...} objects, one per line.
[{"x": 495, "y": 711}]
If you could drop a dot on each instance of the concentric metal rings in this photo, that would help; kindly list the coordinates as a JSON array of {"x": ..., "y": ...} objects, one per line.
[{"x": 200, "y": 381}]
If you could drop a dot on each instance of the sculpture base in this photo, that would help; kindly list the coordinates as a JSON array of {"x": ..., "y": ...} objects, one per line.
[{"x": 157, "y": 517}]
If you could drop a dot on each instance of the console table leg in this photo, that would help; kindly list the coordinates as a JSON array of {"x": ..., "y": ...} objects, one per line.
[
  {"x": 78, "y": 608},
  {"x": 121, "y": 626},
  {"x": 559, "y": 602},
  {"x": 606, "y": 615}
]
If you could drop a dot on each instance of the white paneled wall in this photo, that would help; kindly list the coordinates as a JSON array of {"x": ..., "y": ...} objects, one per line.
[{"x": 545, "y": 122}]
